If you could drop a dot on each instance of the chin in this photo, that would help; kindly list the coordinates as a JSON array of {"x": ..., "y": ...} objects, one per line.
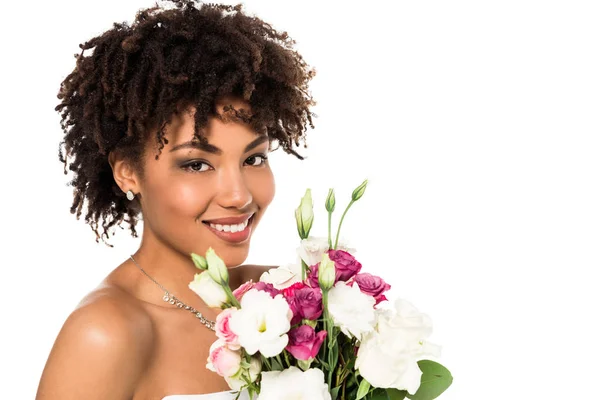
[{"x": 232, "y": 256}]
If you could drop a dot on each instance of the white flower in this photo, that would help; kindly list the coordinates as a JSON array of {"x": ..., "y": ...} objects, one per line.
[
  {"x": 351, "y": 309},
  {"x": 282, "y": 277},
  {"x": 311, "y": 249},
  {"x": 262, "y": 323},
  {"x": 387, "y": 357},
  {"x": 236, "y": 382},
  {"x": 209, "y": 291},
  {"x": 292, "y": 383}
]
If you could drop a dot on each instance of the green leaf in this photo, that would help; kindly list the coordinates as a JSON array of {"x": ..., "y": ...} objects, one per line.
[
  {"x": 334, "y": 392},
  {"x": 434, "y": 381},
  {"x": 395, "y": 394},
  {"x": 363, "y": 389},
  {"x": 276, "y": 365},
  {"x": 379, "y": 394}
]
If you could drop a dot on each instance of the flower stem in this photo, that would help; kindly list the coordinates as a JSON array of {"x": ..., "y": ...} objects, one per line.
[
  {"x": 340, "y": 225},
  {"x": 230, "y": 295},
  {"x": 327, "y": 322},
  {"x": 329, "y": 229}
]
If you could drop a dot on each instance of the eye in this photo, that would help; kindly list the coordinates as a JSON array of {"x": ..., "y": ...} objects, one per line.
[
  {"x": 195, "y": 166},
  {"x": 262, "y": 157}
]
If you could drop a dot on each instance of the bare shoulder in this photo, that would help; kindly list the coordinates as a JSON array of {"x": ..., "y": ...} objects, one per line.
[
  {"x": 101, "y": 351},
  {"x": 254, "y": 271}
]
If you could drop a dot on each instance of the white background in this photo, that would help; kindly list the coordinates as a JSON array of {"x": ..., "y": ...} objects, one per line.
[{"x": 476, "y": 123}]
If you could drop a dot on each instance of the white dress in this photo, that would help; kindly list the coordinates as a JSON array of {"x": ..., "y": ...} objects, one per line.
[{"x": 208, "y": 396}]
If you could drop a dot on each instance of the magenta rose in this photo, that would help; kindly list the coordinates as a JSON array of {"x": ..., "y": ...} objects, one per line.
[
  {"x": 304, "y": 343},
  {"x": 289, "y": 291},
  {"x": 266, "y": 287},
  {"x": 372, "y": 285},
  {"x": 306, "y": 303},
  {"x": 312, "y": 278},
  {"x": 346, "y": 266}
]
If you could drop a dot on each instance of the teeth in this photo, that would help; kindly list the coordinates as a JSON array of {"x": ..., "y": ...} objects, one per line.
[{"x": 230, "y": 228}]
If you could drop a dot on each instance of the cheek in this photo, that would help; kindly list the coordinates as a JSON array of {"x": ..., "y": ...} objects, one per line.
[
  {"x": 188, "y": 198},
  {"x": 176, "y": 196},
  {"x": 263, "y": 190}
]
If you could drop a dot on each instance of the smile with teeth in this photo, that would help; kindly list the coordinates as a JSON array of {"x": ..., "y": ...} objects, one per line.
[{"x": 230, "y": 228}]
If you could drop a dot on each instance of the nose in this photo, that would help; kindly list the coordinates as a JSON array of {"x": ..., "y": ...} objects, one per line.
[{"x": 233, "y": 190}]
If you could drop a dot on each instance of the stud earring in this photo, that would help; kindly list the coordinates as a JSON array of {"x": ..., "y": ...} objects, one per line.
[{"x": 130, "y": 195}]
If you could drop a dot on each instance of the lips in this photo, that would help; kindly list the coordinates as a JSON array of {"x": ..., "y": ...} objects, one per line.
[
  {"x": 229, "y": 220},
  {"x": 233, "y": 237}
]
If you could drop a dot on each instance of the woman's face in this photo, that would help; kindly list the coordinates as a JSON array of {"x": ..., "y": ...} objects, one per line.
[{"x": 189, "y": 185}]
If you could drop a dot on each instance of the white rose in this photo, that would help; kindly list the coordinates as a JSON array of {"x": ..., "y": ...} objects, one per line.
[
  {"x": 351, "y": 309},
  {"x": 281, "y": 277},
  {"x": 237, "y": 382},
  {"x": 209, "y": 291},
  {"x": 292, "y": 383},
  {"x": 262, "y": 323},
  {"x": 311, "y": 249},
  {"x": 387, "y": 356}
]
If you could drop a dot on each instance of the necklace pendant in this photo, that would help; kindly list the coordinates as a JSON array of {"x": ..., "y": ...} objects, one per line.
[{"x": 166, "y": 297}]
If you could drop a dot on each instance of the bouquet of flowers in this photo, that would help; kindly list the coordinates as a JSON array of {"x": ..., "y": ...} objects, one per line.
[{"x": 319, "y": 329}]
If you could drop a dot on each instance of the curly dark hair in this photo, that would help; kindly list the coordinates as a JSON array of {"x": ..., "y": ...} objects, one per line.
[{"x": 142, "y": 74}]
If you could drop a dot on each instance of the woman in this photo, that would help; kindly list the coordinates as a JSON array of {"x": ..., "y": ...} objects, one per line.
[{"x": 170, "y": 119}]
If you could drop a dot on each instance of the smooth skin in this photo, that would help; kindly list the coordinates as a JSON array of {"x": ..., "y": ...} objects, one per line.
[{"x": 123, "y": 341}]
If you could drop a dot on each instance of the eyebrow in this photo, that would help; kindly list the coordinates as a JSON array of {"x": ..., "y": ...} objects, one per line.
[{"x": 214, "y": 149}]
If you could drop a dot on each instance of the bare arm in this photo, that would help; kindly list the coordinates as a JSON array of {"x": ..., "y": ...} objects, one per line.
[{"x": 99, "y": 354}]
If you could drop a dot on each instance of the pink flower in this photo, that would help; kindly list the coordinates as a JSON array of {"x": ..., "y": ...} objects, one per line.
[
  {"x": 289, "y": 291},
  {"x": 223, "y": 330},
  {"x": 372, "y": 285},
  {"x": 223, "y": 361},
  {"x": 266, "y": 287},
  {"x": 305, "y": 302},
  {"x": 304, "y": 342},
  {"x": 239, "y": 292},
  {"x": 312, "y": 278},
  {"x": 346, "y": 266}
]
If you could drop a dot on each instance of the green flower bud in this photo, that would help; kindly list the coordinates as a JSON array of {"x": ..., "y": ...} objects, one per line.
[
  {"x": 330, "y": 202},
  {"x": 199, "y": 261},
  {"x": 216, "y": 267},
  {"x": 305, "y": 364},
  {"x": 309, "y": 322},
  {"x": 304, "y": 215},
  {"x": 326, "y": 272},
  {"x": 359, "y": 191}
]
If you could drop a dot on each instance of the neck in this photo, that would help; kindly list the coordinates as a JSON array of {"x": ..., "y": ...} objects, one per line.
[{"x": 170, "y": 267}]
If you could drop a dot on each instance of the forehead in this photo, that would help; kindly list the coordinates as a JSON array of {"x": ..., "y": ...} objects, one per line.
[{"x": 181, "y": 127}]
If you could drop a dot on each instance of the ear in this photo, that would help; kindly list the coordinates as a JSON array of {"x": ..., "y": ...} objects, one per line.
[{"x": 123, "y": 173}]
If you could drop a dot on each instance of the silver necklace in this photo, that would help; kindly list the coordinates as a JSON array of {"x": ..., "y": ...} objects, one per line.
[{"x": 169, "y": 298}]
